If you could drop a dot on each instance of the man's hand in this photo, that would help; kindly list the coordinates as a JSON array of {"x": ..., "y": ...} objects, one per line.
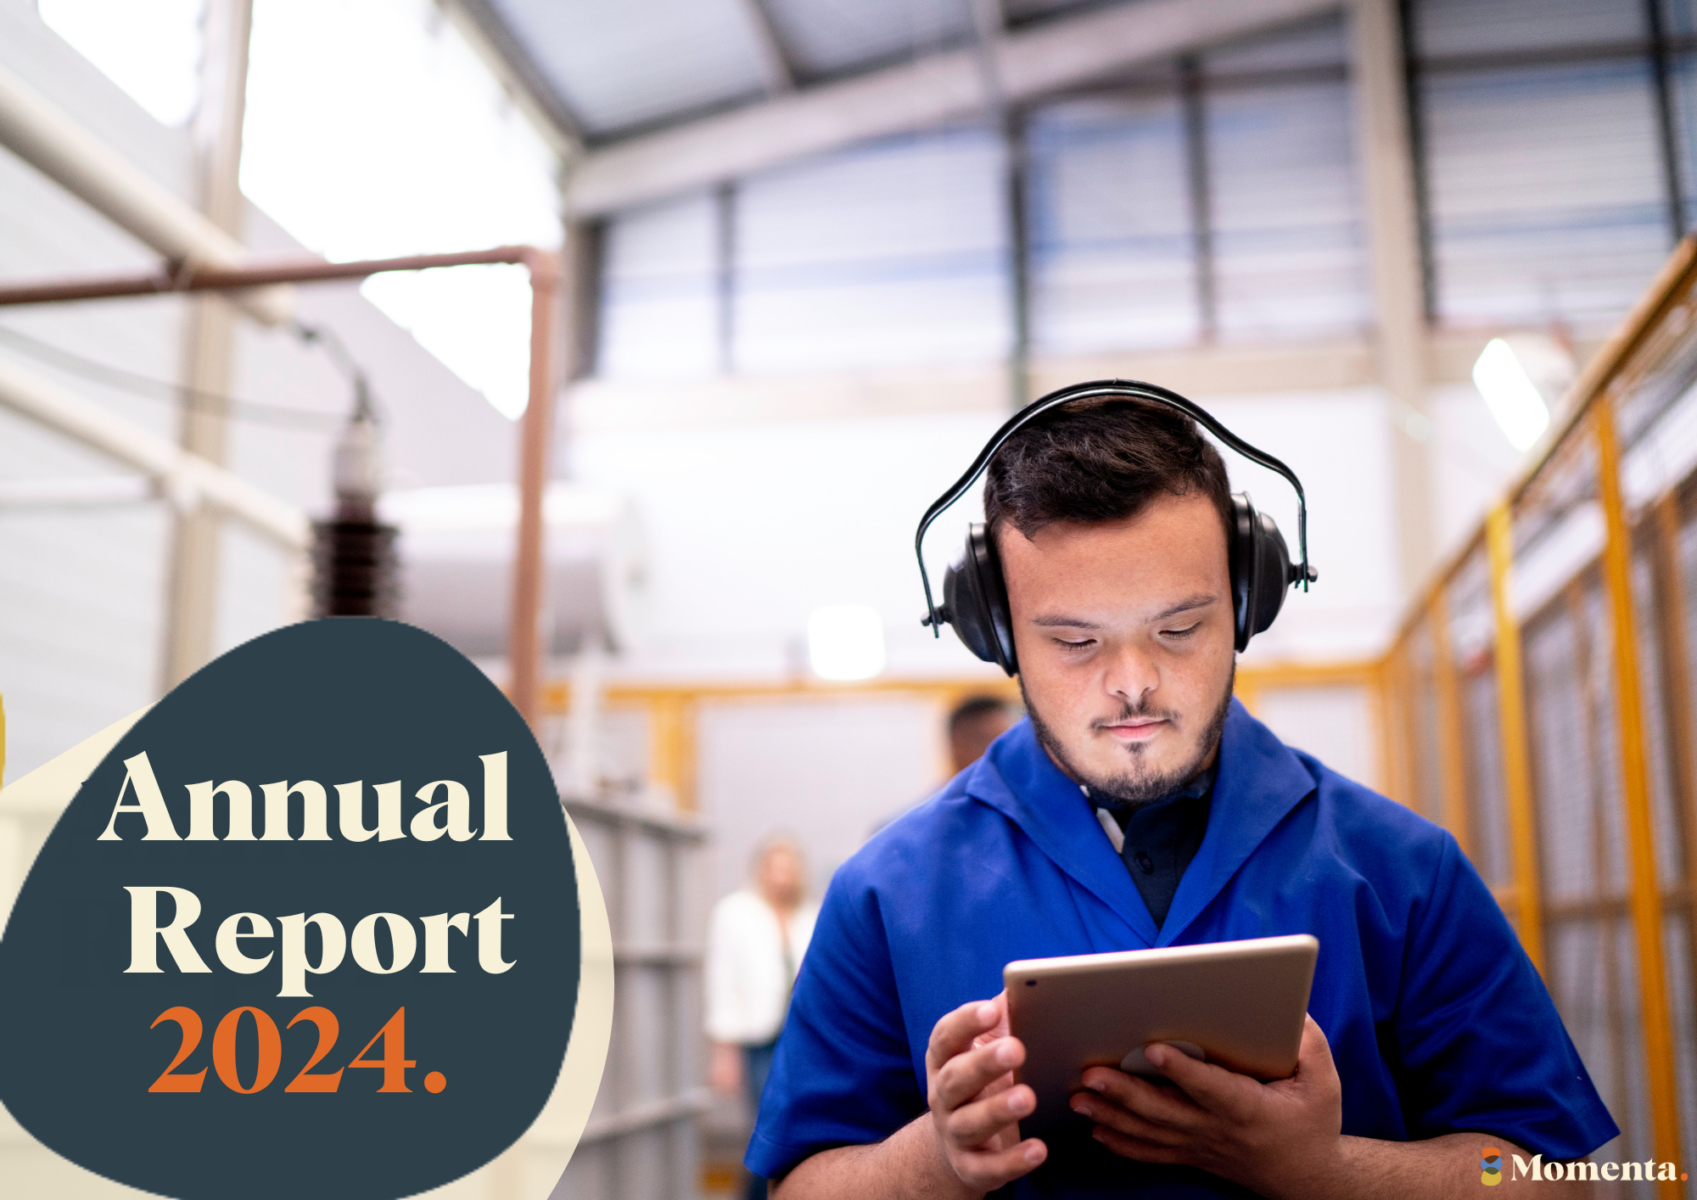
[
  {"x": 975, "y": 1104},
  {"x": 724, "y": 1071},
  {"x": 1278, "y": 1139}
]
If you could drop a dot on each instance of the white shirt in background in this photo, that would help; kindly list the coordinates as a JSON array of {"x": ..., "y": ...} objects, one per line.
[{"x": 750, "y": 968}]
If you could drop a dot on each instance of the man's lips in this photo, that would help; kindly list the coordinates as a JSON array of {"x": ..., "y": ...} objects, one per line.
[{"x": 1138, "y": 729}]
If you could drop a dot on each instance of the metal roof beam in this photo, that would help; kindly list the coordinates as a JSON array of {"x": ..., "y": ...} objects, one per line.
[
  {"x": 512, "y": 64},
  {"x": 45, "y": 137},
  {"x": 937, "y": 88},
  {"x": 775, "y": 66}
]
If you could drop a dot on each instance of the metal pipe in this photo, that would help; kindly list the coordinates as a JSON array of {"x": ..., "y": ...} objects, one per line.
[
  {"x": 51, "y": 142},
  {"x": 1646, "y": 897},
  {"x": 188, "y": 479},
  {"x": 250, "y": 275},
  {"x": 524, "y": 646}
]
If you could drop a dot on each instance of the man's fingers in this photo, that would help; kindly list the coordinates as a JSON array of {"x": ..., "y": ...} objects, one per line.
[
  {"x": 965, "y": 1075},
  {"x": 1209, "y": 1085},
  {"x": 954, "y": 1033},
  {"x": 990, "y": 1169},
  {"x": 1105, "y": 1113},
  {"x": 1315, "y": 1055},
  {"x": 1136, "y": 1148},
  {"x": 1165, "y": 1105},
  {"x": 974, "y": 1124}
]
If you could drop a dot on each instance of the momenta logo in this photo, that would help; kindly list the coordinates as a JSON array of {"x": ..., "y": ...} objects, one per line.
[{"x": 1491, "y": 1169}]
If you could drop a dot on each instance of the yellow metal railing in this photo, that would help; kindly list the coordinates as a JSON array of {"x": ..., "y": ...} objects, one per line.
[{"x": 1597, "y": 875}]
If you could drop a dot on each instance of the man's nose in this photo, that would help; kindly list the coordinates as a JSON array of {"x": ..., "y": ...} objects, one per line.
[{"x": 1131, "y": 677}]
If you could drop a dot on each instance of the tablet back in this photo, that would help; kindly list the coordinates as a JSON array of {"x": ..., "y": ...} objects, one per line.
[{"x": 1240, "y": 1004}]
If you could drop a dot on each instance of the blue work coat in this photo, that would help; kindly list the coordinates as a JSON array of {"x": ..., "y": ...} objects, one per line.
[{"x": 1436, "y": 1018}]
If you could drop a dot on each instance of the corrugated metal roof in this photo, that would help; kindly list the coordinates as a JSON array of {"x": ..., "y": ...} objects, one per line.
[
  {"x": 623, "y": 66},
  {"x": 1322, "y": 43},
  {"x": 1470, "y": 27},
  {"x": 834, "y": 37}
]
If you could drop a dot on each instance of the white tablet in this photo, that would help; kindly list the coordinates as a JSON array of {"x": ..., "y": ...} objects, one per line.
[{"x": 1240, "y": 1004}]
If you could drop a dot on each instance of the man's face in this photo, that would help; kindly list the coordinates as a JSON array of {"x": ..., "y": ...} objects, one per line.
[
  {"x": 972, "y": 737},
  {"x": 1124, "y": 636}
]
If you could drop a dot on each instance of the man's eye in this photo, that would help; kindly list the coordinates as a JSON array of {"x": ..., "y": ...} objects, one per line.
[
  {"x": 1083, "y": 644},
  {"x": 1185, "y": 632}
]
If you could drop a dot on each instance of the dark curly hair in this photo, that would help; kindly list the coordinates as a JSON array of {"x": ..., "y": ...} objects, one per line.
[{"x": 1101, "y": 461}]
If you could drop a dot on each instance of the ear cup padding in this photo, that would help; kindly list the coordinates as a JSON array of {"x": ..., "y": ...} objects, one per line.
[
  {"x": 1273, "y": 574},
  {"x": 975, "y": 601},
  {"x": 1260, "y": 569}
]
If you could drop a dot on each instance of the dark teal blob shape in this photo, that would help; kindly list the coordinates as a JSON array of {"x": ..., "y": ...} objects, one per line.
[{"x": 332, "y": 701}]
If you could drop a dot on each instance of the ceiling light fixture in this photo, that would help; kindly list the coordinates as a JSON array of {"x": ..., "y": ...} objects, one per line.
[{"x": 1514, "y": 400}]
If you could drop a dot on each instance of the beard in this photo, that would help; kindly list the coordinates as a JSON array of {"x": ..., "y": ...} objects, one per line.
[{"x": 1138, "y": 784}]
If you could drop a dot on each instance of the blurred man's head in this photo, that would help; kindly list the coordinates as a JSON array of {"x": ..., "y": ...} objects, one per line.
[
  {"x": 1110, "y": 520},
  {"x": 780, "y": 872},
  {"x": 973, "y": 724}
]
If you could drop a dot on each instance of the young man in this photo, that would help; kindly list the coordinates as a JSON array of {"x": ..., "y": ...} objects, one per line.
[{"x": 1140, "y": 805}]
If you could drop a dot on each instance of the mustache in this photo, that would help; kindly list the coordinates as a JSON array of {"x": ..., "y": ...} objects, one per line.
[{"x": 1134, "y": 712}]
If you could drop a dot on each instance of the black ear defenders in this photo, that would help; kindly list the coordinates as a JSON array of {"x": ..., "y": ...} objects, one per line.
[{"x": 975, "y": 596}]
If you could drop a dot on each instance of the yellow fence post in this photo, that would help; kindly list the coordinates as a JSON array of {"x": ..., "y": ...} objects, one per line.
[
  {"x": 1511, "y": 718},
  {"x": 1452, "y": 751},
  {"x": 671, "y": 745},
  {"x": 1635, "y": 799}
]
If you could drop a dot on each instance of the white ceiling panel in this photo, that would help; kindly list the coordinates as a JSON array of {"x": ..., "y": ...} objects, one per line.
[
  {"x": 636, "y": 63},
  {"x": 833, "y": 37}
]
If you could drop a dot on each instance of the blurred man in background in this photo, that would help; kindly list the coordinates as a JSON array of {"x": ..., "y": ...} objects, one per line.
[
  {"x": 754, "y": 947},
  {"x": 973, "y": 724}
]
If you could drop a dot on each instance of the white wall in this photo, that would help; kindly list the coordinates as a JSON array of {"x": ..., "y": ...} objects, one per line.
[
  {"x": 827, "y": 772},
  {"x": 752, "y": 525}
]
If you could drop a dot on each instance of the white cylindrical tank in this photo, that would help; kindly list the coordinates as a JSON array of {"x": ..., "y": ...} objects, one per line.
[{"x": 456, "y": 556}]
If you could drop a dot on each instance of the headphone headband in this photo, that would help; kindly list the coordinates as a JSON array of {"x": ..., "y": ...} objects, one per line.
[{"x": 1110, "y": 389}]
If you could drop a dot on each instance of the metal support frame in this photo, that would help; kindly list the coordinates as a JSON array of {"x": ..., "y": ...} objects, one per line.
[
  {"x": 1416, "y": 126},
  {"x": 1388, "y": 153},
  {"x": 209, "y": 341},
  {"x": 1602, "y": 911},
  {"x": 1452, "y": 747},
  {"x": 1516, "y": 750},
  {"x": 1018, "y": 184},
  {"x": 725, "y": 274},
  {"x": 185, "y": 479},
  {"x": 775, "y": 67},
  {"x": 635, "y": 1129},
  {"x": 1679, "y": 704},
  {"x": 1031, "y": 61},
  {"x": 674, "y": 708},
  {"x": 524, "y": 643},
  {"x": 1194, "y": 104},
  {"x": 50, "y": 141},
  {"x": 1635, "y": 798},
  {"x": 1667, "y": 127}
]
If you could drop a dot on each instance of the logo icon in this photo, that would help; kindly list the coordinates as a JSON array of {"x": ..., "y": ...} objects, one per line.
[{"x": 1491, "y": 1166}]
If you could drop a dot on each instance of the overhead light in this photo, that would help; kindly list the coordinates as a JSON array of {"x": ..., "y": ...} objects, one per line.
[
  {"x": 1514, "y": 400},
  {"x": 845, "y": 641}
]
